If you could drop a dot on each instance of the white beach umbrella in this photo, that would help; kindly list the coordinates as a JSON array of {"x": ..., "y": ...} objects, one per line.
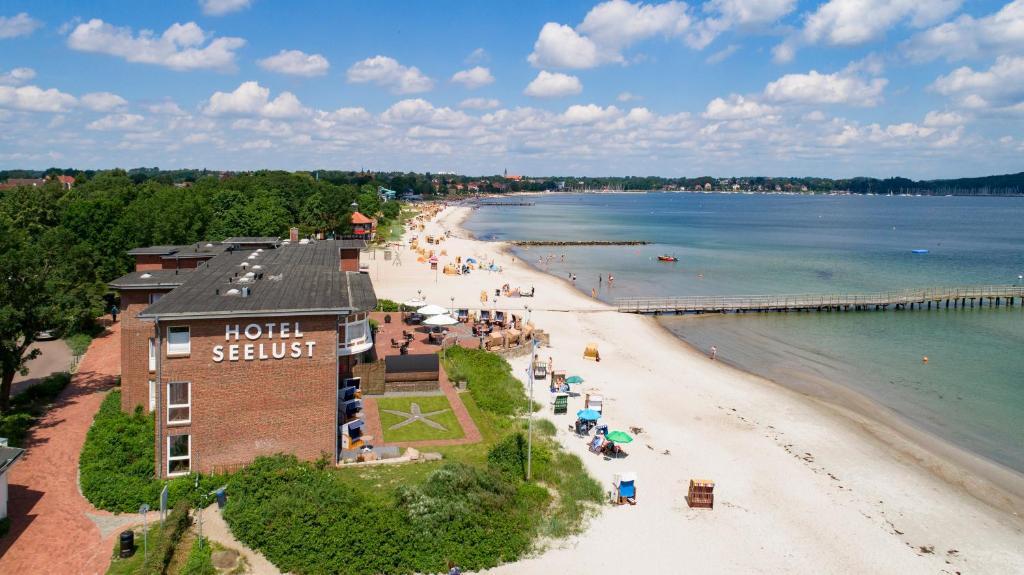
[
  {"x": 440, "y": 319},
  {"x": 415, "y": 302},
  {"x": 432, "y": 310}
]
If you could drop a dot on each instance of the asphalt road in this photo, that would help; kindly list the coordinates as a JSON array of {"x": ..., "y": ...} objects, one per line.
[{"x": 55, "y": 357}]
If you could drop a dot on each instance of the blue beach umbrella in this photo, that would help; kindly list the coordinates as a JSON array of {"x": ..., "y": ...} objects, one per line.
[
  {"x": 588, "y": 415},
  {"x": 574, "y": 379},
  {"x": 470, "y": 261}
]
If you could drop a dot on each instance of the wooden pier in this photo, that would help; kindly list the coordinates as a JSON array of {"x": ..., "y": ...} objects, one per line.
[
  {"x": 941, "y": 297},
  {"x": 505, "y": 203},
  {"x": 531, "y": 243}
]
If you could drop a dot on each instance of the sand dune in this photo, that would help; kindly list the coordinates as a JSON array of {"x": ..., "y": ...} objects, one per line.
[{"x": 802, "y": 486}]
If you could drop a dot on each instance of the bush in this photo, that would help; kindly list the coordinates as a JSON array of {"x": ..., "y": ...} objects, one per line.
[
  {"x": 116, "y": 470},
  {"x": 200, "y": 559},
  {"x": 392, "y": 306},
  {"x": 78, "y": 342},
  {"x": 308, "y": 520},
  {"x": 178, "y": 520},
  {"x": 489, "y": 379},
  {"x": 29, "y": 405}
]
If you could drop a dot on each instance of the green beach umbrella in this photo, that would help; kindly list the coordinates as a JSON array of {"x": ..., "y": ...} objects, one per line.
[
  {"x": 619, "y": 437},
  {"x": 574, "y": 379}
]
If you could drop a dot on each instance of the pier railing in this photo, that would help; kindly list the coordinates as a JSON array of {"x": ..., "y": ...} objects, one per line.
[{"x": 900, "y": 299}]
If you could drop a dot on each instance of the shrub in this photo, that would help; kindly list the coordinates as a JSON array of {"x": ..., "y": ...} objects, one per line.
[
  {"x": 200, "y": 559},
  {"x": 308, "y": 520},
  {"x": 116, "y": 464},
  {"x": 489, "y": 379},
  {"x": 162, "y": 550},
  {"x": 78, "y": 342},
  {"x": 392, "y": 306},
  {"x": 29, "y": 405}
]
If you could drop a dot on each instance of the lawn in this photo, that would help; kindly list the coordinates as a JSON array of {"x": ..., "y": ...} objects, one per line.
[{"x": 418, "y": 430}]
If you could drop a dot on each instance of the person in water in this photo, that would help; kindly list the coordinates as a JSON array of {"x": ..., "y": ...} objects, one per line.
[{"x": 714, "y": 352}]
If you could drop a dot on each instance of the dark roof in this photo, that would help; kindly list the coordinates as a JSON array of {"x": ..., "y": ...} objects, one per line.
[
  {"x": 199, "y": 250},
  {"x": 266, "y": 240},
  {"x": 291, "y": 279},
  {"x": 151, "y": 279},
  {"x": 351, "y": 244},
  {"x": 154, "y": 250},
  {"x": 414, "y": 362},
  {"x": 8, "y": 455}
]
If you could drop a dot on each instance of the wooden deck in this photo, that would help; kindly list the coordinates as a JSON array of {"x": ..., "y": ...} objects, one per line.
[{"x": 949, "y": 297}]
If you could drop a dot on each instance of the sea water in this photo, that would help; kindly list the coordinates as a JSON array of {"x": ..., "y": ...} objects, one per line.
[{"x": 970, "y": 392}]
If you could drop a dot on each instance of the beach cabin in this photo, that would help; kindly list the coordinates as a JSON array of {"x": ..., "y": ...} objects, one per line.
[{"x": 595, "y": 402}]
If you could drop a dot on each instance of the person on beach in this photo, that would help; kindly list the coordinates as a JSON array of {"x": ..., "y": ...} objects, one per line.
[
  {"x": 611, "y": 280},
  {"x": 714, "y": 352},
  {"x": 593, "y": 293},
  {"x": 598, "y": 279}
]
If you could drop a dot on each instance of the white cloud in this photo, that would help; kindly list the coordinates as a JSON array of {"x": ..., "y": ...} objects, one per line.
[
  {"x": 606, "y": 30},
  {"x": 257, "y": 145},
  {"x": 814, "y": 116},
  {"x": 221, "y": 7},
  {"x": 479, "y": 103},
  {"x": 736, "y": 108},
  {"x": 35, "y": 99},
  {"x": 851, "y": 22},
  {"x": 969, "y": 37},
  {"x": 936, "y": 119},
  {"x": 17, "y": 76},
  {"x": 816, "y": 88},
  {"x": 723, "y": 54},
  {"x": 577, "y": 115},
  {"x": 475, "y": 77},
  {"x": 167, "y": 108},
  {"x": 296, "y": 63},
  {"x": 1000, "y": 85},
  {"x": 420, "y": 111},
  {"x": 727, "y": 14},
  {"x": 180, "y": 47},
  {"x": 102, "y": 101},
  {"x": 387, "y": 72},
  {"x": 553, "y": 85},
  {"x": 478, "y": 56},
  {"x": 627, "y": 97},
  {"x": 117, "y": 122},
  {"x": 252, "y": 99},
  {"x": 18, "y": 25}
]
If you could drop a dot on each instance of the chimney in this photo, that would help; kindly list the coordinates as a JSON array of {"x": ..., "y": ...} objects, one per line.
[
  {"x": 349, "y": 260},
  {"x": 293, "y": 234}
]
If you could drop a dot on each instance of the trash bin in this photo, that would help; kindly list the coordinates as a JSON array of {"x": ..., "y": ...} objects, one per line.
[
  {"x": 222, "y": 498},
  {"x": 127, "y": 544}
]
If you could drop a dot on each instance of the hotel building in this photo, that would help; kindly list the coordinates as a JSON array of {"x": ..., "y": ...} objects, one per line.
[{"x": 244, "y": 348}]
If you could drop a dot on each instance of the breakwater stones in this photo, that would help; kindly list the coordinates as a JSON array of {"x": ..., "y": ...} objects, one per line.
[{"x": 581, "y": 243}]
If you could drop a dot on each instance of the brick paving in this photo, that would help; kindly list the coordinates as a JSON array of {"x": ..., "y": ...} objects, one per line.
[{"x": 53, "y": 528}]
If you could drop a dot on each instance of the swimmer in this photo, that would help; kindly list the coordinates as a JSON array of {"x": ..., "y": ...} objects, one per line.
[
  {"x": 714, "y": 352},
  {"x": 611, "y": 279}
]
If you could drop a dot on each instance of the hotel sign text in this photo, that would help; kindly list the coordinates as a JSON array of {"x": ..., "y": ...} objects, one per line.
[{"x": 258, "y": 348}]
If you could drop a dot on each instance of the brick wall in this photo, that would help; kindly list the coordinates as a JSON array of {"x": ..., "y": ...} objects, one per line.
[
  {"x": 372, "y": 377},
  {"x": 135, "y": 334},
  {"x": 349, "y": 260},
  {"x": 145, "y": 263},
  {"x": 243, "y": 409}
]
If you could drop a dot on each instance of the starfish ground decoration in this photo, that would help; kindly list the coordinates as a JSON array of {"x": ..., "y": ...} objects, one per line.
[{"x": 416, "y": 415}]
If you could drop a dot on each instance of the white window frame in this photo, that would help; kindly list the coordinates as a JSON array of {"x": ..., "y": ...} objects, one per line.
[
  {"x": 152, "y": 397},
  {"x": 179, "y": 457},
  {"x": 152, "y": 353},
  {"x": 155, "y": 297},
  {"x": 179, "y": 405},
  {"x": 179, "y": 352}
]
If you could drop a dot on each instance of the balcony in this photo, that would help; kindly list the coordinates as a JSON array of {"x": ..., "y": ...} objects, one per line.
[{"x": 354, "y": 336}]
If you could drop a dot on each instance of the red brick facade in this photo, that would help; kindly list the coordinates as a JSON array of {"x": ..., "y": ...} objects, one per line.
[
  {"x": 246, "y": 408},
  {"x": 145, "y": 263},
  {"x": 135, "y": 335}
]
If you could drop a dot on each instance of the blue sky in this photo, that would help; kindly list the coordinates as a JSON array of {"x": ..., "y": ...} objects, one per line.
[{"x": 919, "y": 88}]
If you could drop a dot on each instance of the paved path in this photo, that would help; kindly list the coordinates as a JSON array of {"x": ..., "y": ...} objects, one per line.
[
  {"x": 216, "y": 529},
  {"x": 55, "y": 357},
  {"x": 50, "y": 529}
]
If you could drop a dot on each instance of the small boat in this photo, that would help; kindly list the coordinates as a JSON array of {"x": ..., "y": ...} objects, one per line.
[
  {"x": 918, "y": 251},
  {"x": 668, "y": 259}
]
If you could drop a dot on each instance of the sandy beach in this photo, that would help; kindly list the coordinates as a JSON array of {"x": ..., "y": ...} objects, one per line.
[{"x": 801, "y": 485}]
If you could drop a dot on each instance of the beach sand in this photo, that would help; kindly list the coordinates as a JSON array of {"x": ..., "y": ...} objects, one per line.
[{"x": 801, "y": 485}]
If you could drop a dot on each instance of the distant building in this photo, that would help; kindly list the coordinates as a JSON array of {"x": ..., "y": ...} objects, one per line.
[
  {"x": 363, "y": 226},
  {"x": 8, "y": 455},
  {"x": 17, "y": 182},
  {"x": 66, "y": 182}
]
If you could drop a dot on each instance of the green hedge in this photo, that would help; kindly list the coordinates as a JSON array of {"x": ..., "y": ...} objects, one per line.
[
  {"x": 489, "y": 378},
  {"x": 116, "y": 467},
  {"x": 392, "y": 306},
  {"x": 160, "y": 554},
  {"x": 78, "y": 342},
  {"x": 310, "y": 520},
  {"x": 30, "y": 404}
]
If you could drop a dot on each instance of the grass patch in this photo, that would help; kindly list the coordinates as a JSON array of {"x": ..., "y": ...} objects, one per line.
[
  {"x": 200, "y": 559},
  {"x": 78, "y": 342},
  {"x": 29, "y": 405},
  {"x": 489, "y": 379},
  {"x": 153, "y": 554},
  {"x": 116, "y": 465},
  {"x": 418, "y": 430}
]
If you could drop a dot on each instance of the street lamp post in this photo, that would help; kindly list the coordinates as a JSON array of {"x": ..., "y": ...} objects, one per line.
[
  {"x": 145, "y": 532},
  {"x": 529, "y": 413}
]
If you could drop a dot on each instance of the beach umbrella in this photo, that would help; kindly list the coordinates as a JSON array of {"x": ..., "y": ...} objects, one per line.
[
  {"x": 415, "y": 303},
  {"x": 432, "y": 310},
  {"x": 574, "y": 379},
  {"x": 470, "y": 261},
  {"x": 440, "y": 319},
  {"x": 619, "y": 437},
  {"x": 589, "y": 415}
]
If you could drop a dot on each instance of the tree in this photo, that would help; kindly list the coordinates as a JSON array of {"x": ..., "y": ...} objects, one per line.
[{"x": 26, "y": 305}]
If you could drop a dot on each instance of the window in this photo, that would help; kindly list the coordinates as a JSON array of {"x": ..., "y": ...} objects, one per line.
[
  {"x": 152, "y": 395},
  {"x": 155, "y": 297},
  {"x": 152, "y": 354},
  {"x": 178, "y": 341},
  {"x": 179, "y": 402},
  {"x": 179, "y": 454}
]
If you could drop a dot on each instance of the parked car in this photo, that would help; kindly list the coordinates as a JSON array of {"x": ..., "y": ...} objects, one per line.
[{"x": 46, "y": 335}]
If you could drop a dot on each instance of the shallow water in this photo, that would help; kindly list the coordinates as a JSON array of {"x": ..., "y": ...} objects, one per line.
[{"x": 971, "y": 391}]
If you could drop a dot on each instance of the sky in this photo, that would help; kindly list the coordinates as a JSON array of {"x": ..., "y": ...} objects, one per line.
[{"x": 916, "y": 88}]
